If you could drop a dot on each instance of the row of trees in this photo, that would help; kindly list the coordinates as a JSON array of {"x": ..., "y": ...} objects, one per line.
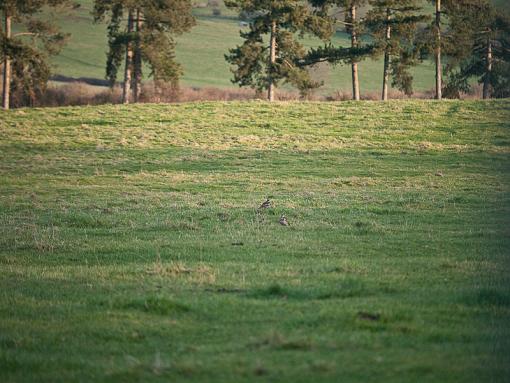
[
  {"x": 467, "y": 39},
  {"x": 138, "y": 31}
]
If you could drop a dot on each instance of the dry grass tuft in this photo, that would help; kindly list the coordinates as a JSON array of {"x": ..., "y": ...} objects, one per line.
[
  {"x": 29, "y": 235},
  {"x": 200, "y": 274}
]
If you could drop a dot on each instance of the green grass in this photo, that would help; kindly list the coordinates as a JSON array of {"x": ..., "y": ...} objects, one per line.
[{"x": 131, "y": 248}]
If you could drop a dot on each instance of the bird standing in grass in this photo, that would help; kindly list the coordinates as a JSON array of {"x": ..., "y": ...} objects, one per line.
[
  {"x": 283, "y": 221},
  {"x": 266, "y": 204}
]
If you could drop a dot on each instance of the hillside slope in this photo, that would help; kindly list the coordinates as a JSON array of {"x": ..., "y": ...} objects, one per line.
[{"x": 132, "y": 247}]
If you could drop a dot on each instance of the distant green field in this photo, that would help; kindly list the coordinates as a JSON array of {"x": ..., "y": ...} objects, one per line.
[
  {"x": 201, "y": 52},
  {"x": 132, "y": 249}
]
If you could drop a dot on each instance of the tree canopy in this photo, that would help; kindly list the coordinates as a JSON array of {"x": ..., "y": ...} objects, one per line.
[
  {"x": 25, "y": 54},
  {"x": 270, "y": 53},
  {"x": 146, "y": 28},
  {"x": 393, "y": 25},
  {"x": 478, "y": 48}
]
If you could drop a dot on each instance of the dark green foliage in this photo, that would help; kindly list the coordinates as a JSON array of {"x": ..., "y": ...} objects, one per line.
[
  {"x": 403, "y": 17},
  {"x": 160, "y": 21},
  {"x": 477, "y": 28},
  {"x": 251, "y": 60},
  {"x": 30, "y": 74},
  {"x": 342, "y": 55},
  {"x": 500, "y": 79},
  {"x": 30, "y": 48},
  {"x": 337, "y": 55},
  {"x": 116, "y": 43},
  {"x": 159, "y": 52}
]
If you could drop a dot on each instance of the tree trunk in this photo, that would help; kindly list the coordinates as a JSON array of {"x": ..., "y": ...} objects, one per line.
[
  {"x": 126, "y": 92},
  {"x": 354, "y": 44},
  {"x": 439, "y": 68},
  {"x": 488, "y": 71},
  {"x": 6, "y": 91},
  {"x": 386, "y": 72},
  {"x": 272, "y": 61},
  {"x": 137, "y": 84}
]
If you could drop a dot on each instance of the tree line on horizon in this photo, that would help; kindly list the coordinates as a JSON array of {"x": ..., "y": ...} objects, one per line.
[{"x": 467, "y": 39}]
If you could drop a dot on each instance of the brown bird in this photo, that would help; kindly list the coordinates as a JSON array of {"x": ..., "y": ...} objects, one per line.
[
  {"x": 266, "y": 204},
  {"x": 283, "y": 221}
]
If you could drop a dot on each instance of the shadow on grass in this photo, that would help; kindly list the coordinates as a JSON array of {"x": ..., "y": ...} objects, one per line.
[
  {"x": 277, "y": 341},
  {"x": 488, "y": 297},
  {"x": 349, "y": 288},
  {"x": 153, "y": 305}
]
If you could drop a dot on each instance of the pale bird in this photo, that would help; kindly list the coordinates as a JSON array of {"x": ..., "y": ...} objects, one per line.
[{"x": 283, "y": 221}]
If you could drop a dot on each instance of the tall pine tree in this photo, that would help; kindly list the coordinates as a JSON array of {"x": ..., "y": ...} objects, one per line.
[
  {"x": 479, "y": 48},
  {"x": 393, "y": 25},
  {"x": 25, "y": 54},
  {"x": 357, "y": 50},
  {"x": 432, "y": 41},
  {"x": 353, "y": 28},
  {"x": 142, "y": 31},
  {"x": 270, "y": 53},
  {"x": 438, "y": 48}
]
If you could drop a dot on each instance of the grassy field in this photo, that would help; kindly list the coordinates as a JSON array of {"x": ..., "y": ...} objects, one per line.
[{"x": 131, "y": 247}]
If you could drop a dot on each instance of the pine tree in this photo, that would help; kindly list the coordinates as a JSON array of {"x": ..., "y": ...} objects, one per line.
[
  {"x": 432, "y": 43},
  {"x": 437, "y": 49},
  {"x": 353, "y": 28},
  {"x": 393, "y": 24},
  {"x": 25, "y": 54},
  {"x": 352, "y": 55},
  {"x": 143, "y": 30},
  {"x": 270, "y": 53},
  {"x": 479, "y": 42}
]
